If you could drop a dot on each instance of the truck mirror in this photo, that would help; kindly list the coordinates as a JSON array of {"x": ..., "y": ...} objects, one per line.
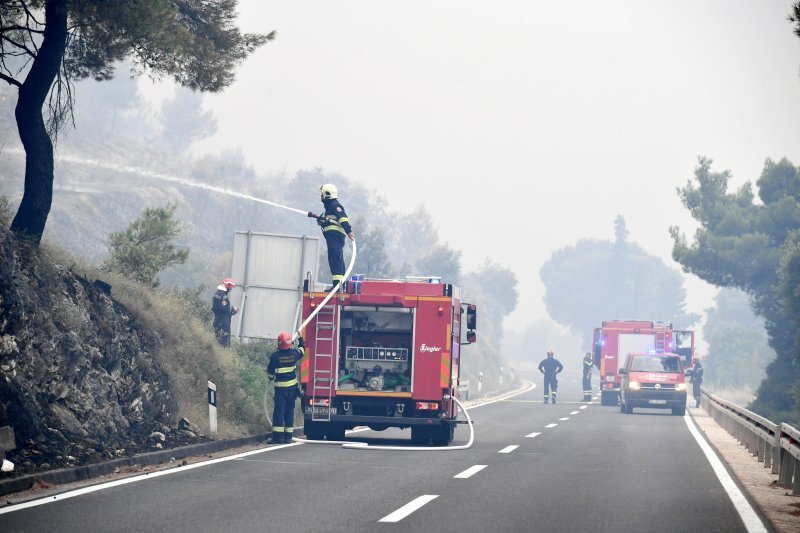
[
  {"x": 471, "y": 337},
  {"x": 622, "y": 371},
  {"x": 472, "y": 316}
]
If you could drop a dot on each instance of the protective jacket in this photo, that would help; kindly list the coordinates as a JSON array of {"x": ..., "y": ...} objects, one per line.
[
  {"x": 282, "y": 368},
  {"x": 223, "y": 311},
  {"x": 335, "y": 226},
  {"x": 550, "y": 366}
]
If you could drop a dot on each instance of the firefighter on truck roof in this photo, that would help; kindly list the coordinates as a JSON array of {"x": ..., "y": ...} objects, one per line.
[
  {"x": 550, "y": 367},
  {"x": 282, "y": 369},
  {"x": 335, "y": 225}
]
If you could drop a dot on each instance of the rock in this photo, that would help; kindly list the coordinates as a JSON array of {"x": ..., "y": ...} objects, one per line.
[
  {"x": 157, "y": 435},
  {"x": 184, "y": 423}
]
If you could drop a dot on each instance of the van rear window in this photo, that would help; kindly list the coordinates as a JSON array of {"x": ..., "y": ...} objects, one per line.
[{"x": 651, "y": 363}]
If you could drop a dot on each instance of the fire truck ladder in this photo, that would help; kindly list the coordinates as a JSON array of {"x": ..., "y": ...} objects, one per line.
[
  {"x": 661, "y": 338},
  {"x": 324, "y": 377}
]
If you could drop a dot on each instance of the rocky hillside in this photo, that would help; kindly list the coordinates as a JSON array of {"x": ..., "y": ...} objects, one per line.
[{"x": 79, "y": 377}]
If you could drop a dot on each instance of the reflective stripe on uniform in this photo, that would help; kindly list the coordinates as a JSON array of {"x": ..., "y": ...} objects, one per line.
[
  {"x": 337, "y": 277},
  {"x": 284, "y": 369},
  {"x": 277, "y": 429},
  {"x": 334, "y": 228},
  {"x": 286, "y": 383}
]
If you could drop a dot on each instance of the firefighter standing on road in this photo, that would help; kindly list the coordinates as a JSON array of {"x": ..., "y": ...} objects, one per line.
[
  {"x": 587, "y": 377},
  {"x": 282, "y": 369},
  {"x": 550, "y": 367},
  {"x": 335, "y": 226},
  {"x": 697, "y": 380},
  {"x": 223, "y": 311}
]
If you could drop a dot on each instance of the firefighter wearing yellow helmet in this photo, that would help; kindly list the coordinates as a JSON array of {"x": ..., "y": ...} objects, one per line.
[{"x": 335, "y": 226}]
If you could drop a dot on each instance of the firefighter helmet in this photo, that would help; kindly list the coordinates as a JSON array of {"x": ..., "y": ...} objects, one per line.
[
  {"x": 328, "y": 191},
  {"x": 228, "y": 283},
  {"x": 284, "y": 341},
  {"x": 549, "y": 353}
]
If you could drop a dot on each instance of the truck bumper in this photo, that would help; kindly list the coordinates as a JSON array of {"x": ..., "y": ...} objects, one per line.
[{"x": 388, "y": 421}]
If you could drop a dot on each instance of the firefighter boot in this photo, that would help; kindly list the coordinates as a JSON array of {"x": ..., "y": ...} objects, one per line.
[
  {"x": 277, "y": 437},
  {"x": 545, "y": 400},
  {"x": 553, "y": 397},
  {"x": 287, "y": 436}
]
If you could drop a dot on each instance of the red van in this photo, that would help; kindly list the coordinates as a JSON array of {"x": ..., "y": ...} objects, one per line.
[{"x": 653, "y": 380}]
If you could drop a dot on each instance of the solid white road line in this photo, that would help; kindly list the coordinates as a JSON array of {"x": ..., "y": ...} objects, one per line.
[
  {"x": 408, "y": 508},
  {"x": 551, "y": 425},
  {"x": 563, "y": 419},
  {"x": 470, "y": 471},
  {"x": 509, "y": 449},
  {"x": 574, "y": 412},
  {"x": 751, "y": 520},
  {"x": 535, "y": 433},
  {"x": 125, "y": 481}
]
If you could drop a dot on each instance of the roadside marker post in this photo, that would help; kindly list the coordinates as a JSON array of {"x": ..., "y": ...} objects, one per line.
[{"x": 212, "y": 407}]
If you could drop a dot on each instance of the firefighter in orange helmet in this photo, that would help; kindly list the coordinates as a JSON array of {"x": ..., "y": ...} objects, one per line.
[
  {"x": 550, "y": 367},
  {"x": 223, "y": 311},
  {"x": 282, "y": 370}
]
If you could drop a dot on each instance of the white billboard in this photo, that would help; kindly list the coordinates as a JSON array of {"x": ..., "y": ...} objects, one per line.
[{"x": 270, "y": 270}]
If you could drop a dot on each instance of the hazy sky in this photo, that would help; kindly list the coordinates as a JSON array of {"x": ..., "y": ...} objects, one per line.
[{"x": 522, "y": 126}]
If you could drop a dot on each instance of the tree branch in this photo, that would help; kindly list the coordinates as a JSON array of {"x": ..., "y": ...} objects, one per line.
[
  {"x": 10, "y": 80},
  {"x": 18, "y": 45}
]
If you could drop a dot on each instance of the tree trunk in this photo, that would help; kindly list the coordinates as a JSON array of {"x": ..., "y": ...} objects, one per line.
[{"x": 32, "y": 214}]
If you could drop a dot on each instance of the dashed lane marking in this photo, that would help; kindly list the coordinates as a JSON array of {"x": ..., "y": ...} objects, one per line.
[
  {"x": 470, "y": 471},
  {"x": 535, "y": 433},
  {"x": 409, "y": 508},
  {"x": 563, "y": 419},
  {"x": 583, "y": 407},
  {"x": 551, "y": 425},
  {"x": 509, "y": 449},
  {"x": 574, "y": 412}
]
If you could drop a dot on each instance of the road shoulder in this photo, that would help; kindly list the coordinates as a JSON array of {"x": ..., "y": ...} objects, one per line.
[{"x": 773, "y": 501}]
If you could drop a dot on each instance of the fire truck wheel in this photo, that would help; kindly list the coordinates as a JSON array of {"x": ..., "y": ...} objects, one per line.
[
  {"x": 335, "y": 432},
  {"x": 679, "y": 411},
  {"x": 420, "y": 436},
  {"x": 313, "y": 431},
  {"x": 628, "y": 409},
  {"x": 444, "y": 435}
]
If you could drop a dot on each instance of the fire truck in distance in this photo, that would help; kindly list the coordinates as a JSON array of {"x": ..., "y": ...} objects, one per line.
[
  {"x": 615, "y": 339},
  {"x": 385, "y": 353}
]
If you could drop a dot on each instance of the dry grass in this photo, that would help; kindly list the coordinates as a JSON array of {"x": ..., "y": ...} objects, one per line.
[{"x": 189, "y": 353}]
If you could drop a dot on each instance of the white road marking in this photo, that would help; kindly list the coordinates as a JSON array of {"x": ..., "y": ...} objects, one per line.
[
  {"x": 509, "y": 449},
  {"x": 408, "y": 508},
  {"x": 551, "y": 425},
  {"x": 574, "y": 412},
  {"x": 125, "y": 481},
  {"x": 751, "y": 520},
  {"x": 535, "y": 433},
  {"x": 583, "y": 407},
  {"x": 470, "y": 471},
  {"x": 563, "y": 419}
]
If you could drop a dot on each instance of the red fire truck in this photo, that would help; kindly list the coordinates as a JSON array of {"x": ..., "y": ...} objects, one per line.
[
  {"x": 382, "y": 354},
  {"x": 617, "y": 338}
]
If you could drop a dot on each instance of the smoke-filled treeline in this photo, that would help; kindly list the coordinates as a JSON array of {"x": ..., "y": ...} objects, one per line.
[{"x": 106, "y": 174}]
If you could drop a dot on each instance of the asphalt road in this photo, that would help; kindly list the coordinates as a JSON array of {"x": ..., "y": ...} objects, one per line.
[{"x": 533, "y": 467}]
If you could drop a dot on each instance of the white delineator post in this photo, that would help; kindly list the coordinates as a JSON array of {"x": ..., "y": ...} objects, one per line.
[
  {"x": 480, "y": 381},
  {"x": 212, "y": 407}
]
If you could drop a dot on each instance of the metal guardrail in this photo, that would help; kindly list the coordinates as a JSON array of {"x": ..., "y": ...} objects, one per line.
[{"x": 776, "y": 445}]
